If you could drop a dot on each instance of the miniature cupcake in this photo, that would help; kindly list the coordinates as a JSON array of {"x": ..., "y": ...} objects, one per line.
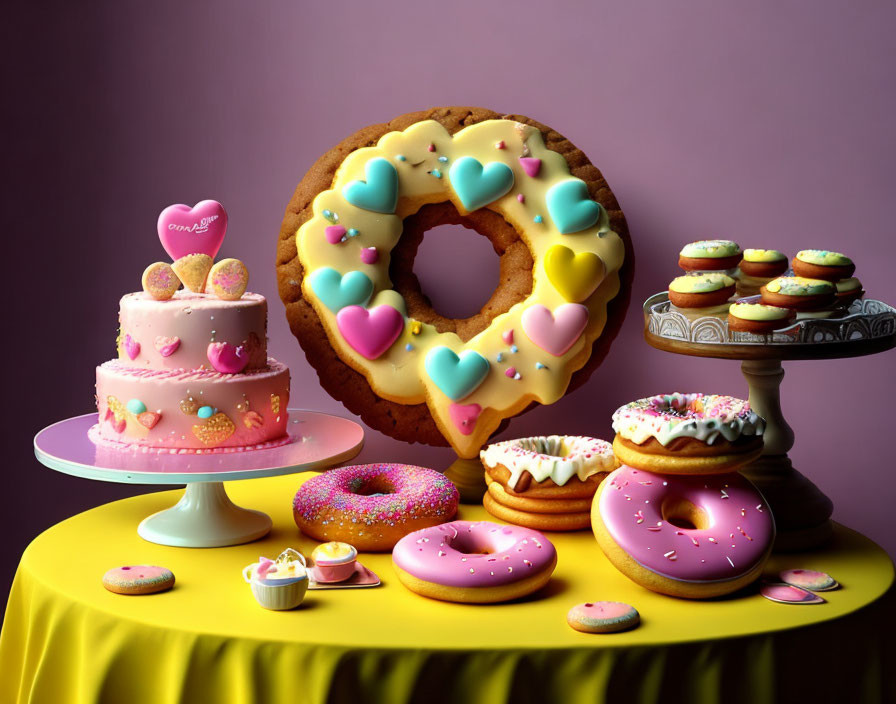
[
  {"x": 758, "y": 318},
  {"x": 822, "y": 264},
  {"x": 709, "y": 255},
  {"x": 334, "y": 561},
  {"x": 703, "y": 294},
  {"x": 278, "y": 585},
  {"x": 798, "y": 293},
  {"x": 757, "y": 268}
]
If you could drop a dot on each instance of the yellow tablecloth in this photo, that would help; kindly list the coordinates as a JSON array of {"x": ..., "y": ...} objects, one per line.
[{"x": 66, "y": 639}]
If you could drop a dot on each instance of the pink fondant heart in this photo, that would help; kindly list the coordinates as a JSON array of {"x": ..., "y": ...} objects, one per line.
[
  {"x": 131, "y": 346},
  {"x": 370, "y": 332},
  {"x": 226, "y": 358},
  {"x": 369, "y": 255},
  {"x": 334, "y": 234},
  {"x": 530, "y": 165},
  {"x": 464, "y": 416},
  {"x": 198, "y": 230},
  {"x": 555, "y": 332},
  {"x": 167, "y": 346},
  {"x": 507, "y": 336}
]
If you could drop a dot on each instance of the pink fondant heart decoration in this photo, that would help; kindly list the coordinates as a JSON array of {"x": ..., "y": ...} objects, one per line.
[
  {"x": 334, "y": 234},
  {"x": 530, "y": 165},
  {"x": 510, "y": 372},
  {"x": 464, "y": 416},
  {"x": 167, "y": 346},
  {"x": 370, "y": 255},
  {"x": 507, "y": 336},
  {"x": 555, "y": 332},
  {"x": 226, "y": 358},
  {"x": 198, "y": 230},
  {"x": 148, "y": 419},
  {"x": 370, "y": 332},
  {"x": 131, "y": 346}
]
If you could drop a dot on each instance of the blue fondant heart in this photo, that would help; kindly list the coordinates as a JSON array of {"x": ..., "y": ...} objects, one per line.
[
  {"x": 379, "y": 192},
  {"x": 571, "y": 207},
  {"x": 477, "y": 186},
  {"x": 456, "y": 376},
  {"x": 337, "y": 291}
]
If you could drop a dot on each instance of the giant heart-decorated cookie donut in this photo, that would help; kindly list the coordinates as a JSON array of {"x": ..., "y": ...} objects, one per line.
[{"x": 345, "y": 272}]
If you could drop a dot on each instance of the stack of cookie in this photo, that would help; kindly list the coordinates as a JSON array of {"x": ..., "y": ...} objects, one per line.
[{"x": 546, "y": 482}]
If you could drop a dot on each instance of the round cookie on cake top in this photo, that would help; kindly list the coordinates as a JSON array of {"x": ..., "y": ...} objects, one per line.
[{"x": 192, "y": 372}]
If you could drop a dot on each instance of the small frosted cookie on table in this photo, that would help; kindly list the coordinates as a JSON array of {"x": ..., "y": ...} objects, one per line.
[
  {"x": 545, "y": 482},
  {"x": 709, "y": 255},
  {"x": 135, "y": 580},
  {"x": 758, "y": 318},
  {"x": 705, "y": 294},
  {"x": 798, "y": 293},
  {"x": 687, "y": 433},
  {"x": 822, "y": 264},
  {"x": 603, "y": 617},
  {"x": 848, "y": 290}
]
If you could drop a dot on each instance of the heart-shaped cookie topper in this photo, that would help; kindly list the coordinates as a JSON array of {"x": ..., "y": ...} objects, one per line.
[{"x": 198, "y": 230}]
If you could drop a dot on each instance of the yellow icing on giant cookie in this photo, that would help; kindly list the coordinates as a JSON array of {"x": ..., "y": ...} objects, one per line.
[{"x": 399, "y": 374}]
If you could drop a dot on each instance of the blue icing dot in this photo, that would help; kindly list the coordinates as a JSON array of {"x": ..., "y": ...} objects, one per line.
[
  {"x": 331, "y": 216},
  {"x": 352, "y": 232},
  {"x": 136, "y": 406},
  {"x": 436, "y": 173},
  {"x": 206, "y": 412},
  {"x": 409, "y": 347},
  {"x": 514, "y": 349},
  {"x": 500, "y": 357},
  {"x": 443, "y": 159},
  {"x": 538, "y": 218},
  {"x": 401, "y": 157},
  {"x": 539, "y": 365}
]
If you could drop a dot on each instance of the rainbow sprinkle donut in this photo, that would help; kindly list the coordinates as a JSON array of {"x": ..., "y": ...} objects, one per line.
[
  {"x": 372, "y": 506},
  {"x": 687, "y": 433}
]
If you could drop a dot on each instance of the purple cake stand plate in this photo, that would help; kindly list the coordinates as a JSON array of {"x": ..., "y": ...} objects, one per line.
[{"x": 205, "y": 517}]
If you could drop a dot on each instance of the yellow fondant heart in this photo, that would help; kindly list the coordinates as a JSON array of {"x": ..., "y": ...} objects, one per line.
[
  {"x": 193, "y": 270},
  {"x": 575, "y": 276},
  {"x": 215, "y": 430}
]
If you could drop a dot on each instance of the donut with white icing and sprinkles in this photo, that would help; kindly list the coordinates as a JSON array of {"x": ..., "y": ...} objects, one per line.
[
  {"x": 688, "y": 536},
  {"x": 474, "y": 562},
  {"x": 545, "y": 482},
  {"x": 372, "y": 506},
  {"x": 687, "y": 433},
  {"x": 346, "y": 259}
]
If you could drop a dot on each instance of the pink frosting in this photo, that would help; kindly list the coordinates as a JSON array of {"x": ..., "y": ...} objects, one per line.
[
  {"x": 739, "y": 529},
  {"x": 176, "y": 334},
  {"x": 473, "y": 554}
]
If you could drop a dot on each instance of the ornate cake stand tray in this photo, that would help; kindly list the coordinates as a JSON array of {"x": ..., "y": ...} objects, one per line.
[
  {"x": 205, "y": 516},
  {"x": 802, "y": 512}
]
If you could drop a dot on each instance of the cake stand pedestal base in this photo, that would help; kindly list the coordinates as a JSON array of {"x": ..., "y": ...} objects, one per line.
[
  {"x": 468, "y": 476},
  {"x": 205, "y": 517}
]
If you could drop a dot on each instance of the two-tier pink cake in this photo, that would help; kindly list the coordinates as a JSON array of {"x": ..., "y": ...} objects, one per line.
[{"x": 192, "y": 372}]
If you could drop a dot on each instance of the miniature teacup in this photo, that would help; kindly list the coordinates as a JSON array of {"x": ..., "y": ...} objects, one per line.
[
  {"x": 278, "y": 584},
  {"x": 334, "y": 561}
]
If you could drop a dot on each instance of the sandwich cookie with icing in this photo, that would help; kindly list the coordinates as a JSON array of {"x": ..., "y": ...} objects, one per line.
[
  {"x": 799, "y": 293},
  {"x": 709, "y": 255},
  {"x": 345, "y": 267},
  {"x": 822, "y": 264},
  {"x": 687, "y": 434},
  {"x": 545, "y": 483},
  {"x": 757, "y": 268},
  {"x": 758, "y": 318},
  {"x": 702, "y": 294}
]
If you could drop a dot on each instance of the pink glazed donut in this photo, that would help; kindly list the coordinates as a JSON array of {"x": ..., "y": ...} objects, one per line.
[
  {"x": 474, "y": 562},
  {"x": 687, "y": 536}
]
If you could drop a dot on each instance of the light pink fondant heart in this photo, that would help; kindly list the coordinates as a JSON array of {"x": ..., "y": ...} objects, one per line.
[
  {"x": 370, "y": 255},
  {"x": 555, "y": 332},
  {"x": 464, "y": 416},
  {"x": 530, "y": 165},
  {"x": 131, "y": 346},
  {"x": 198, "y": 230},
  {"x": 334, "y": 234},
  {"x": 226, "y": 358},
  {"x": 167, "y": 346},
  {"x": 370, "y": 332}
]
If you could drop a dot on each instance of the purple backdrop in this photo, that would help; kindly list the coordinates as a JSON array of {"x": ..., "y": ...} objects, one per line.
[{"x": 766, "y": 122}]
